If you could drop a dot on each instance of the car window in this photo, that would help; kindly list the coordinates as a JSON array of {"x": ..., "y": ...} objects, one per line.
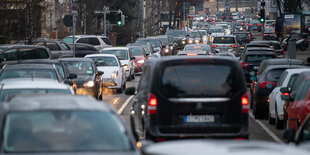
[
  {"x": 93, "y": 41},
  {"x": 80, "y": 67},
  {"x": 53, "y": 46},
  {"x": 120, "y": 54},
  {"x": 274, "y": 74},
  {"x": 43, "y": 54},
  {"x": 221, "y": 81},
  {"x": 27, "y": 53},
  {"x": 60, "y": 70},
  {"x": 28, "y": 73},
  {"x": 154, "y": 42},
  {"x": 65, "y": 46},
  {"x": 257, "y": 57},
  {"x": 134, "y": 51},
  {"x": 9, "y": 55},
  {"x": 64, "y": 131},
  {"x": 292, "y": 79},
  {"x": 224, "y": 40},
  {"x": 164, "y": 41},
  {"x": 305, "y": 133},
  {"x": 282, "y": 78},
  {"x": 104, "y": 61},
  {"x": 302, "y": 91},
  {"x": 242, "y": 35},
  {"x": 6, "y": 94},
  {"x": 106, "y": 40},
  {"x": 83, "y": 40},
  {"x": 297, "y": 83},
  {"x": 81, "y": 48}
]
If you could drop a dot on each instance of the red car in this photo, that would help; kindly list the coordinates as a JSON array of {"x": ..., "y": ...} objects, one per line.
[
  {"x": 140, "y": 57},
  {"x": 299, "y": 108}
]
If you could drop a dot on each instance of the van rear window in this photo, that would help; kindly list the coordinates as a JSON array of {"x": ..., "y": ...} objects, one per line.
[
  {"x": 198, "y": 80},
  {"x": 224, "y": 40}
]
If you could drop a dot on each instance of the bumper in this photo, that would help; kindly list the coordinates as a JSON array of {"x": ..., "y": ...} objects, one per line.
[
  {"x": 138, "y": 67},
  {"x": 111, "y": 83},
  {"x": 87, "y": 91}
]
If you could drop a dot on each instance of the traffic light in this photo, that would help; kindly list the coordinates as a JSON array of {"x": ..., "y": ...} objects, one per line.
[
  {"x": 252, "y": 12},
  {"x": 119, "y": 19},
  {"x": 262, "y": 15}
]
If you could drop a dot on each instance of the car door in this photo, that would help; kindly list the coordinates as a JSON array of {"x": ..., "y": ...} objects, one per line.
[{"x": 8, "y": 56}]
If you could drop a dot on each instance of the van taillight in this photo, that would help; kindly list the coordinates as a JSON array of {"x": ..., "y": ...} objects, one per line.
[
  {"x": 244, "y": 64},
  {"x": 245, "y": 103},
  {"x": 152, "y": 106}
]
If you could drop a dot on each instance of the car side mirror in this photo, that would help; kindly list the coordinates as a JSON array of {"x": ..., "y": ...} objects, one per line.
[
  {"x": 130, "y": 91},
  {"x": 72, "y": 76},
  {"x": 100, "y": 73},
  {"x": 132, "y": 58},
  {"x": 69, "y": 82},
  {"x": 289, "y": 135},
  {"x": 284, "y": 90},
  {"x": 286, "y": 97},
  {"x": 253, "y": 78}
]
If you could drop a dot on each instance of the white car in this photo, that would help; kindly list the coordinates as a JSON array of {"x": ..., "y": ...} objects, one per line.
[
  {"x": 98, "y": 41},
  {"x": 24, "y": 86},
  {"x": 124, "y": 55},
  {"x": 276, "y": 111},
  {"x": 114, "y": 75}
]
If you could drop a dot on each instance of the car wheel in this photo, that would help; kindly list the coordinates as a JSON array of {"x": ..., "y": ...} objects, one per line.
[
  {"x": 256, "y": 111},
  {"x": 133, "y": 76},
  {"x": 129, "y": 77},
  {"x": 270, "y": 119},
  {"x": 279, "y": 123},
  {"x": 133, "y": 128}
]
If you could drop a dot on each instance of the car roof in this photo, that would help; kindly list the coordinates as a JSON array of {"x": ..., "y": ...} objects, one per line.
[
  {"x": 80, "y": 36},
  {"x": 260, "y": 48},
  {"x": 298, "y": 70},
  {"x": 224, "y": 36},
  {"x": 26, "y": 46},
  {"x": 222, "y": 147},
  {"x": 100, "y": 55},
  {"x": 115, "y": 48},
  {"x": 260, "y": 53},
  {"x": 192, "y": 51},
  {"x": 20, "y": 66},
  {"x": 41, "y": 102},
  {"x": 39, "y": 61},
  {"x": 282, "y": 61},
  {"x": 283, "y": 66},
  {"x": 260, "y": 42},
  {"x": 31, "y": 83},
  {"x": 76, "y": 59}
]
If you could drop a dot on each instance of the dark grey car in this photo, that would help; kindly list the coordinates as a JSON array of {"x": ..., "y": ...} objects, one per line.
[
  {"x": 58, "y": 48},
  {"x": 62, "y": 124}
]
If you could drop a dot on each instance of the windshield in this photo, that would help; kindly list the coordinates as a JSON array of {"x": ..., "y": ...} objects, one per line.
[
  {"x": 80, "y": 67},
  {"x": 196, "y": 47},
  {"x": 136, "y": 51},
  {"x": 28, "y": 73},
  {"x": 224, "y": 40},
  {"x": 164, "y": 41},
  {"x": 216, "y": 30},
  {"x": 203, "y": 33},
  {"x": 257, "y": 57},
  {"x": 176, "y": 33},
  {"x": 154, "y": 42},
  {"x": 242, "y": 35},
  {"x": 274, "y": 75},
  {"x": 174, "y": 83},
  {"x": 66, "y": 131},
  {"x": 6, "y": 94},
  {"x": 195, "y": 34},
  {"x": 120, "y": 54},
  {"x": 104, "y": 61}
]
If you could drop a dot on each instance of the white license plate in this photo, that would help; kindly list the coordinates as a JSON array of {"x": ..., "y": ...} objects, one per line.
[
  {"x": 199, "y": 119},
  {"x": 256, "y": 67}
]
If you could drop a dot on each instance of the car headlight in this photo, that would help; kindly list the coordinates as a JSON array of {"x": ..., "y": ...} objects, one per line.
[
  {"x": 114, "y": 74},
  {"x": 183, "y": 42},
  {"x": 196, "y": 41},
  {"x": 190, "y": 41},
  {"x": 171, "y": 47},
  {"x": 166, "y": 50},
  {"x": 89, "y": 84},
  {"x": 126, "y": 67},
  {"x": 140, "y": 61}
]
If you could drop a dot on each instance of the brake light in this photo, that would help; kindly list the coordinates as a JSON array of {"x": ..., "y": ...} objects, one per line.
[
  {"x": 242, "y": 23},
  {"x": 152, "y": 106},
  {"x": 244, "y": 64},
  {"x": 239, "y": 138},
  {"x": 250, "y": 24},
  {"x": 214, "y": 46},
  {"x": 266, "y": 34},
  {"x": 232, "y": 21},
  {"x": 265, "y": 25},
  {"x": 259, "y": 24},
  {"x": 282, "y": 53},
  {"x": 245, "y": 103},
  {"x": 234, "y": 46},
  {"x": 286, "y": 94},
  {"x": 249, "y": 36},
  {"x": 230, "y": 16},
  {"x": 222, "y": 16},
  {"x": 264, "y": 83},
  {"x": 191, "y": 54}
]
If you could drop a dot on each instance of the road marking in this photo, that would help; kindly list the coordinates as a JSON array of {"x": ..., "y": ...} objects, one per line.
[
  {"x": 116, "y": 100},
  {"x": 269, "y": 132},
  {"x": 120, "y": 110}
]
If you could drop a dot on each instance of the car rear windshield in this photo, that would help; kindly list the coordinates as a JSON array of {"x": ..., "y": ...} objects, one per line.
[
  {"x": 257, "y": 57},
  {"x": 242, "y": 35},
  {"x": 80, "y": 67},
  {"x": 136, "y": 51},
  {"x": 154, "y": 42},
  {"x": 120, "y": 54},
  {"x": 63, "y": 131},
  {"x": 104, "y": 61},
  {"x": 216, "y": 30},
  {"x": 175, "y": 33},
  {"x": 196, "y": 48},
  {"x": 6, "y": 94},
  {"x": 28, "y": 73},
  {"x": 224, "y": 40},
  {"x": 274, "y": 74},
  {"x": 190, "y": 81}
]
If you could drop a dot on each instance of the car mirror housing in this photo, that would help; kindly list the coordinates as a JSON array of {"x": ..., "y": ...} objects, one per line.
[
  {"x": 130, "y": 91},
  {"x": 100, "y": 73},
  {"x": 286, "y": 97},
  {"x": 132, "y": 58},
  {"x": 284, "y": 90},
  {"x": 72, "y": 76}
]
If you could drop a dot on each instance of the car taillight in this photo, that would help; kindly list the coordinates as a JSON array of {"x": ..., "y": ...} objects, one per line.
[
  {"x": 282, "y": 52},
  {"x": 232, "y": 21},
  {"x": 266, "y": 34},
  {"x": 230, "y": 16},
  {"x": 264, "y": 83},
  {"x": 250, "y": 24},
  {"x": 152, "y": 106},
  {"x": 244, "y": 64},
  {"x": 234, "y": 46},
  {"x": 242, "y": 23},
  {"x": 258, "y": 24},
  {"x": 222, "y": 16},
  {"x": 245, "y": 103},
  {"x": 214, "y": 46},
  {"x": 249, "y": 35},
  {"x": 265, "y": 25}
]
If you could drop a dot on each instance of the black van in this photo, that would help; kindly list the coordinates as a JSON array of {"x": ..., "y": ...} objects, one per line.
[
  {"x": 190, "y": 97},
  {"x": 227, "y": 16}
]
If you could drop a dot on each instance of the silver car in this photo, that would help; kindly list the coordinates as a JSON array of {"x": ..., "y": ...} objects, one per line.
[{"x": 227, "y": 43}]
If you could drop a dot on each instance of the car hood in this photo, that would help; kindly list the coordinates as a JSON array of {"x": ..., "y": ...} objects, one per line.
[
  {"x": 124, "y": 62},
  {"x": 81, "y": 79},
  {"x": 107, "y": 70}
]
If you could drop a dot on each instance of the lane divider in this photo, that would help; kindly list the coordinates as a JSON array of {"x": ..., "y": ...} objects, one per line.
[
  {"x": 268, "y": 131},
  {"x": 120, "y": 110}
]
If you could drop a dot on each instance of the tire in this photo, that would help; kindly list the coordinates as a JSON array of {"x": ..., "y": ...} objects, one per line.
[
  {"x": 270, "y": 119},
  {"x": 279, "y": 123},
  {"x": 256, "y": 111},
  {"x": 129, "y": 78},
  {"x": 133, "y": 76}
]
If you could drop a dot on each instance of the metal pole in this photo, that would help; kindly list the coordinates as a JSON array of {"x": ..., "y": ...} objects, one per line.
[
  {"x": 184, "y": 14},
  {"x": 143, "y": 17},
  {"x": 73, "y": 28},
  {"x": 105, "y": 20}
]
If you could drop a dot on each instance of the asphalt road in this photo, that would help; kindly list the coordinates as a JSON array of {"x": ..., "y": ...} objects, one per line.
[{"x": 259, "y": 129}]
